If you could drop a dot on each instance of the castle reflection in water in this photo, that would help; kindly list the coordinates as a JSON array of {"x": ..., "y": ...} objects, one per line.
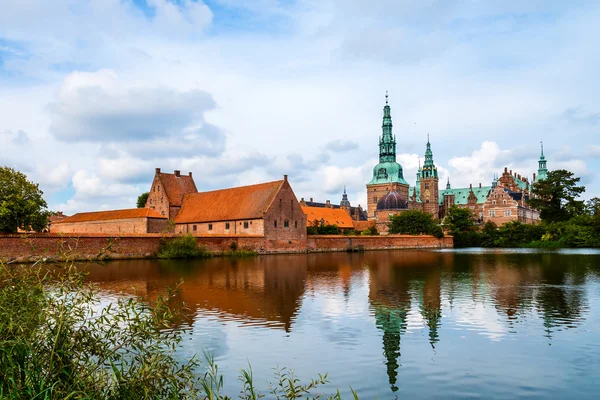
[{"x": 407, "y": 290}]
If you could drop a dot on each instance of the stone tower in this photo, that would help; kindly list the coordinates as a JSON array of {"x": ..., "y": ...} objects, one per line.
[
  {"x": 387, "y": 175},
  {"x": 429, "y": 184}
]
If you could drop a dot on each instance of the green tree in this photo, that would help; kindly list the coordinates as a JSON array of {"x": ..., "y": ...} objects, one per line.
[
  {"x": 593, "y": 206},
  {"x": 142, "y": 199},
  {"x": 21, "y": 203},
  {"x": 415, "y": 222},
  {"x": 462, "y": 227},
  {"x": 556, "y": 196}
]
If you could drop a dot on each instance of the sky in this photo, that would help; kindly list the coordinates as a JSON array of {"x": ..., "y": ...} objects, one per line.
[{"x": 96, "y": 94}]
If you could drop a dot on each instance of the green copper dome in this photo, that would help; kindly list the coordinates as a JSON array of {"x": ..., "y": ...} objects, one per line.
[{"x": 388, "y": 170}]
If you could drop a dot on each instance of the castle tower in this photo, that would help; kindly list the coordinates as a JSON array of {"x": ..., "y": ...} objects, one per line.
[
  {"x": 387, "y": 175},
  {"x": 430, "y": 184},
  {"x": 345, "y": 203},
  {"x": 542, "y": 170}
]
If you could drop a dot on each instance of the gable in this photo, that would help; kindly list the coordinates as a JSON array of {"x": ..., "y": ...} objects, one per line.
[{"x": 176, "y": 186}]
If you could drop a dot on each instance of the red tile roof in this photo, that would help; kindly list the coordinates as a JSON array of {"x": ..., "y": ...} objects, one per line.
[
  {"x": 113, "y": 214},
  {"x": 331, "y": 216},
  {"x": 244, "y": 202},
  {"x": 176, "y": 187}
]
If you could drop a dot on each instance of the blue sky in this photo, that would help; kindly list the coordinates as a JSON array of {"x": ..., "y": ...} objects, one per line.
[{"x": 97, "y": 93}]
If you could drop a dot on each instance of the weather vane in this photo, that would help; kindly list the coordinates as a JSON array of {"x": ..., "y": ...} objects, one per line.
[{"x": 386, "y": 97}]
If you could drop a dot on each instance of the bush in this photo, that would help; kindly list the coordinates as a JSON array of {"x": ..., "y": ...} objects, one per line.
[
  {"x": 415, "y": 222},
  {"x": 185, "y": 246}
]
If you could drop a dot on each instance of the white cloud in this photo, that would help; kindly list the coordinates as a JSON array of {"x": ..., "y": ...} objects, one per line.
[{"x": 293, "y": 87}]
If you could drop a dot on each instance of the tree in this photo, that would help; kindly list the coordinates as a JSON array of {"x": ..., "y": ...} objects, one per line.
[
  {"x": 415, "y": 222},
  {"x": 21, "y": 203},
  {"x": 556, "y": 196},
  {"x": 593, "y": 206},
  {"x": 460, "y": 220},
  {"x": 142, "y": 199},
  {"x": 462, "y": 227}
]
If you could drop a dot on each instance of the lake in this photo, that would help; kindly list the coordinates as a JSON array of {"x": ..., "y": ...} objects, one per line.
[{"x": 391, "y": 324}]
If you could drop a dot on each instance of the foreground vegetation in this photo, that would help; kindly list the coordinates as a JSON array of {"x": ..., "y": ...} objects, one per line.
[{"x": 57, "y": 341}]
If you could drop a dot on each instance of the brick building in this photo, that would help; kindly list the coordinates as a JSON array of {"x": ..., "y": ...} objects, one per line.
[
  {"x": 134, "y": 220},
  {"x": 167, "y": 191},
  {"x": 356, "y": 213},
  {"x": 267, "y": 209},
  {"x": 322, "y": 216},
  {"x": 504, "y": 200}
]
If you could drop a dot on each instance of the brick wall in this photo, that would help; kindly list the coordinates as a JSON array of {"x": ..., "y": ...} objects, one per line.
[
  {"x": 116, "y": 226},
  {"x": 91, "y": 246},
  {"x": 343, "y": 243},
  {"x": 255, "y": 227},
  {"x": 285, "y": 208},
  {"x": 157, "y": 199}
]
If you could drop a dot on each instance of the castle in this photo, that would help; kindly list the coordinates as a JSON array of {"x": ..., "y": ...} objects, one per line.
[{"x": 388, "y": 193}]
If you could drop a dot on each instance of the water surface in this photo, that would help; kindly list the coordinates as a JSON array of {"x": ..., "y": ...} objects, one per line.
[{"x": 406, "y": 324}]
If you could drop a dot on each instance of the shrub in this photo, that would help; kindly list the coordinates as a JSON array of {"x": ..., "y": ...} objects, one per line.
[
  {"x": 415, "y": 222},
  {"x": 185, "y": 246}
]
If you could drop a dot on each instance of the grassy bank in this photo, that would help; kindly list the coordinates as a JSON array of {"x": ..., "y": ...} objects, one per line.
[{"x": 58, "y": 342}]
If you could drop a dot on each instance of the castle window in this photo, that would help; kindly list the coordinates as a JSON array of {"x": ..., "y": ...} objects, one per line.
[
  {"x": 426, "y": 201},
  {"x": 507, "y": 213},
  {"x": 427, "y": 186},
  {"x": 286, "y": 224},
  {"x": 492, "y": 213},
  {"x": 295, "y": 224},
  {"x": 150, "y": 201},
  {"x": 227, "y": 225},
  {"x": 245, "y": 224},
  {"x": 504, "y": 201},
  {"x": 194, "y": 228},
  {"x": 275, "y": 224},
  {"x": 375, "y": 199},
  {"x": 210, "y": 227},
  {"x": 159, "y": 188},
  {"x": 162, "y": 212}
]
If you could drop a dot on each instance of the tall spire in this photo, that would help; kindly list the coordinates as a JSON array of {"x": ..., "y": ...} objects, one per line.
[
  {"x": 387, "y": 142},
  {"x": 542, "y": 169},
  {"x": 448, "y": 187},
  {"x": 345, "y": 202},
  {"x": 429, "y": 168}
]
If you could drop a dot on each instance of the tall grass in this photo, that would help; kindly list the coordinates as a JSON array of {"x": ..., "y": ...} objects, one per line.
[{"x": 58, "y": 341}]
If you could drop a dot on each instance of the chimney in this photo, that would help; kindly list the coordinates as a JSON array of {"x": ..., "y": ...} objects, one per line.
[
  {"x": 157, "y": 170},
  {"x": 471, "y": 186},
  {"x": 511, "y": 172},
  {"x": 60, "y": 213},
  {"x": 505, "y": 169},
  {"x": 311, "y": 199},
  {"x": 190, "y": 173},
  {"x": 285, "y": 178},
  {"x": 327, "y": 204},
  {"x": 177, "y": 173},
  {"x": 480, "y": 184},
  {"x": 534, "y": 176}
]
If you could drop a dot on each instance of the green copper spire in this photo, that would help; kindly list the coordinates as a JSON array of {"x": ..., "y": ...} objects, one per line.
[
  {"x": 388, "y": 170},
  {"x": 448, "y": 187},
  {"x": 429, "y": 168},
  {"x": 542, "y": 169},
  {"x": 387, "y": 142}
]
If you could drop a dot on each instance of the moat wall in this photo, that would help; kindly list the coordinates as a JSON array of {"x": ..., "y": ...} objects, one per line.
[{"x": 95, "y": 246}]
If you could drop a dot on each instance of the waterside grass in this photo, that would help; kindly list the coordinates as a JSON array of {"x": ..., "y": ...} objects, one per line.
[{"x": 57, "y": 341}]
